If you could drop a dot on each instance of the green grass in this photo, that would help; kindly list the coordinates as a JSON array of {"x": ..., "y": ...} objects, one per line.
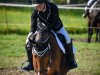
[
  {"x": 15, "y": 15},
  {"x": 12, "y": 53},
  {"x": 72, "y": 18},
  {"x": 11, "y": 49},
  {"x": 88, "y": 58},
  {"x": 18, "y": 19}
]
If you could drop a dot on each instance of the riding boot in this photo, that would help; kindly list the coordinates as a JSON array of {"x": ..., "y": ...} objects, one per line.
[
  {"x": 29, "y": 55},
  {"x": 71, "y": 63},
  {"x": 86, "y": 12}
]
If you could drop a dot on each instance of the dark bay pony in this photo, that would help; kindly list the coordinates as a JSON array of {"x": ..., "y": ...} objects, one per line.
[
  {"x": 94, "y": 22},
  {"x": 48, "y": 59}
]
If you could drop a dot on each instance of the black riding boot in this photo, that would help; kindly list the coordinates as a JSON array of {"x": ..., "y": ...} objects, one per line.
[
  {"x": 86, "y": 12},
  {"x": 71, "y": 63},
  {"x": 29, "y": 55}
]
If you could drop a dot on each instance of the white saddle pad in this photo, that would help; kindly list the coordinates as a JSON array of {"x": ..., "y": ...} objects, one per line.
[{"x": 61, "y": 46}]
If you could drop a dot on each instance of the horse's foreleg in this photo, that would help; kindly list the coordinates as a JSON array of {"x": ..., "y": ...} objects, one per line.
[
  {"x": 90, "y": 32},
  {"x": 54, "y": 70},
  {"x": 99, "y": 33},
  {"x": 50, "y": 71},
  {"x": 53, "y": 73}
]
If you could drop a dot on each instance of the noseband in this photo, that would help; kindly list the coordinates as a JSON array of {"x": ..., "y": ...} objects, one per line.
[{"x": 40, "y": 53}]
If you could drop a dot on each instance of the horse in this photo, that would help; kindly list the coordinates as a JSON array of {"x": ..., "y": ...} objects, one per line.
[
  {"x": 94, "y": 22},
  {"x": 48, "y": 59}
]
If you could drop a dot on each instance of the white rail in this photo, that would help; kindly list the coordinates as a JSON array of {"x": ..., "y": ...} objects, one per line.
[{"x": 59, "y": 6}]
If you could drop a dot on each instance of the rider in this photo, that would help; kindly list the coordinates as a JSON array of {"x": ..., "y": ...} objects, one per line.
[
  {"x": 48, "y": 14},
  {"x": 89, "y": 4}
]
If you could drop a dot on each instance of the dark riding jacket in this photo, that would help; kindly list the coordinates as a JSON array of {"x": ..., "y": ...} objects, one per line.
[{"x": 49, "y": 17}]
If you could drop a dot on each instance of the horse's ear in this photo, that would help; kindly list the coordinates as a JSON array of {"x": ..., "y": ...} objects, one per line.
[{"x": 32, "y": 38}]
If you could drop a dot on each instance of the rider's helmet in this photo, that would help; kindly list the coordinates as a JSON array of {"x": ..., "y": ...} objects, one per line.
[
  {"x": 39, "y": 1},
  {"x": 36, "y": 2}
]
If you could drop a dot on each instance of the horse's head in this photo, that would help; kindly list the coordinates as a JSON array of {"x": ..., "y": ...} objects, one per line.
[
  {"x": 41, "y": 39},
  {"x": 41, "y": 50}
]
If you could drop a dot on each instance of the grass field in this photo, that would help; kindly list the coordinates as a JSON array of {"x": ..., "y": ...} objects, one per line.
[
  {"x": 17, "y": 24},
  {"x": 12, "y": 54}
]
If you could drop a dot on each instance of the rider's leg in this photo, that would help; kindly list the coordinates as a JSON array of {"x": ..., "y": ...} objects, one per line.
[
  {"x": 69, "y": 49},
  {"x": 29, "y": 56},
  {"x": 86, "y": 12},
  {"x": 89, "y": 4}
]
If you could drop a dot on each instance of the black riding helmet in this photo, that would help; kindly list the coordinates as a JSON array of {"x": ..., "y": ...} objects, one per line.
[{"x": 39, "y": 1}]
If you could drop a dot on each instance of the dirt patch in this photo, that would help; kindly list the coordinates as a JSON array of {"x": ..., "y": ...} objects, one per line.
[{"x": 14, "y": 71}]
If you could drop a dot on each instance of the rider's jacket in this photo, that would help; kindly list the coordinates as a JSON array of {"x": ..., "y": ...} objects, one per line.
[{"x": 49, "y": 17}]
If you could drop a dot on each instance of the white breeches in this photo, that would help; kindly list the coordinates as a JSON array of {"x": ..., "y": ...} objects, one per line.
[
  {"x": 67, "y": 37},
  {"x": 65, "y": 33}
]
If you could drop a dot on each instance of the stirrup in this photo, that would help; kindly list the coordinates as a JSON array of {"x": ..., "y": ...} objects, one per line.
[{"x": 28, "y": 67}]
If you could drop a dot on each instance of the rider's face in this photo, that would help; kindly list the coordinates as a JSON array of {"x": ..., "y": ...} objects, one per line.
[{"x": 40, "y": 7}]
